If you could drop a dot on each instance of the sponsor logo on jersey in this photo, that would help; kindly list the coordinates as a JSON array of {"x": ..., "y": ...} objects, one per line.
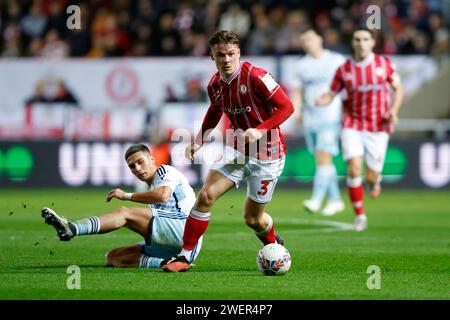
[
  {"x": 370, "y": 87},
  {"x": 239, "y": 110},
  {"x": 243, "y": 89},
  {"x": 348, "y": 76}
]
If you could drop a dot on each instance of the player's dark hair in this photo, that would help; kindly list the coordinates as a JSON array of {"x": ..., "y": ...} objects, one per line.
[
  {"x": 224, "y": 36},
  {"x": 370, "y": 31},
  {"x": 136, "y": 148}
]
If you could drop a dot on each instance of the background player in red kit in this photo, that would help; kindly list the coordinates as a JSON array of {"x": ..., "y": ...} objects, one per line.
[
  {"x": 257, "y": 105},
  {"x": 369, "y": 114}
]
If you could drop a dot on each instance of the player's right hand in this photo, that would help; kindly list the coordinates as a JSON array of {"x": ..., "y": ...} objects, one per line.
[
  {"x": 191, "y": 150},
  {"x": 115, "y": 193},
  {"x": 390, "y": 116}
]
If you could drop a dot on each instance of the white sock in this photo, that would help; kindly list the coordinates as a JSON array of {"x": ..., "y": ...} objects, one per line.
[
  {"x": 354, "y": 182},
  {"x": 186, "y": 253},
  {"x": 89, "y": 225},
  {"x": 146, "y": 261}
]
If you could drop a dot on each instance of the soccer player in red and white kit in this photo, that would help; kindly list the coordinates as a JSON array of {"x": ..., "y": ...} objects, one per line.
[
  {"x": 369, "y": 114},
  {"x": 255, "y": 105}
]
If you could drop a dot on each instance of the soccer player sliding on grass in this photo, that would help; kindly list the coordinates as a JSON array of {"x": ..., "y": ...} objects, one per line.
[
  {"x": 256, "y": 106},
  {"x": 161, "y": 224},
  {"x": 368, "y": 118}
]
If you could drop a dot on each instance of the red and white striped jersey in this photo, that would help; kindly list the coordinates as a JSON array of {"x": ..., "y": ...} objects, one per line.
[
  {"x": 367, "y": 94},
  {"x": 250, "y": 98}
]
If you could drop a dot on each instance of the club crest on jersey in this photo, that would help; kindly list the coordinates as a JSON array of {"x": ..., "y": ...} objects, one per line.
[
  {"x": 379, "y": 72},
  {"x": 243, "y": 89}
]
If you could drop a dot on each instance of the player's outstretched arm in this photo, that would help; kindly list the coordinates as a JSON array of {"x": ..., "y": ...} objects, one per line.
[
  {"x": 210, "y": 121},
  {"x": 158, "y": 195},
  {"x": 325, "y": 99}
]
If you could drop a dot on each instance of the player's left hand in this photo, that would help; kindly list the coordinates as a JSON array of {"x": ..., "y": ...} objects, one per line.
[
  {"x": 391, "y": 117},
  {"x": 191, "y": 150},
  {"x": 115, "y": 193}
]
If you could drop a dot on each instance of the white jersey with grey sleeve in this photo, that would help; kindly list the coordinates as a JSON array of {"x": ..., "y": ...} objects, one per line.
[
  {"x": 182, "y": 198},
  {"x": 314, "y": 76}
]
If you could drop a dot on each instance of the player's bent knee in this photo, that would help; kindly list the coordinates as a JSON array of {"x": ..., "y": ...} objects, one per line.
[
  {"x": 124, "y": 212},
  {"x": 372, "y": 178},
  {"x": 115, "y": 258},
  {"x": 110, "y": 258},
  {"x": 252, "y": 222},
  {"x": 354, "y": 171},
  {"x": 206, "y": 197}
]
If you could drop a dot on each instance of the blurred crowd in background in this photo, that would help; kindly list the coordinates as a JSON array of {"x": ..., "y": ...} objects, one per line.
[{"x": 116, "y": 28}]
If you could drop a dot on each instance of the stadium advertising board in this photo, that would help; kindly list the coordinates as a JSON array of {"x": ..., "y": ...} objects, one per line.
[
  {"x": 409, "y": 164},
  {"x": 98, "y": 100}
]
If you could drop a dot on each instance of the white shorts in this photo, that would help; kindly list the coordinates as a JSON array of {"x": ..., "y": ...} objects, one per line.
[
  {"x": 166, "y": 235},
  {"x": 324, "y": 138},
  {"x": 370, "y": 145},
  {"x": 261, "y": 175}
]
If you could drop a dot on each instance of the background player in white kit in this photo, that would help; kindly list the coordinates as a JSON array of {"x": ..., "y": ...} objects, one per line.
[
  {"x": 314, "y": 73},
  {"x": 161, "y": 224},
  {"x": 368, "y": 118}
]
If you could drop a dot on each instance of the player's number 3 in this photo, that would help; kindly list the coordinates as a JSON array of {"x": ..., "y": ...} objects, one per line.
[{"x": 264, "y": 184}]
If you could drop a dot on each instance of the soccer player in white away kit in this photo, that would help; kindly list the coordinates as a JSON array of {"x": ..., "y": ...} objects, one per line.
[
  {"x": 314, "y": 73},
  {"x": 161, "y": 224},
  {"x": 368, "y": 118}
]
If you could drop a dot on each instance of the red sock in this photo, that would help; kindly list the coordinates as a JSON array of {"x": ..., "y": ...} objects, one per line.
[
  {"x": 195, "y": 227},
  {"x": 267, "y": 236},
  {"x": 357, "y": 196}
]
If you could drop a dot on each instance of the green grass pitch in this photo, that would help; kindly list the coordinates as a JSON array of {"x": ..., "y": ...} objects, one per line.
[{"x": 408, "y": 239}]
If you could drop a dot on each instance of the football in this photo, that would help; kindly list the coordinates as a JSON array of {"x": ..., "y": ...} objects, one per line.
[{"x": 273, "y": 260}]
